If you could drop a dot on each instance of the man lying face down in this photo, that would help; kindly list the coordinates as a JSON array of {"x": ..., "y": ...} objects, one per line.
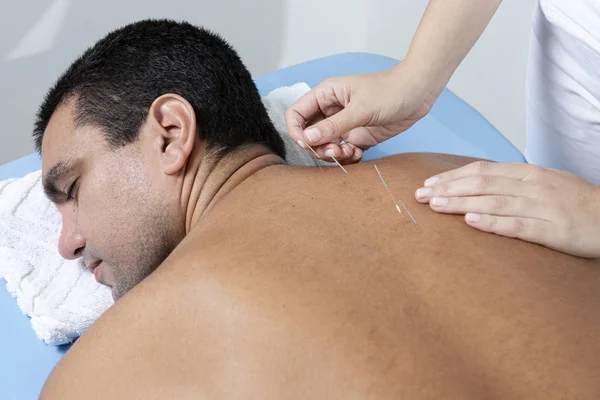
[
  {"x": 239, "y": 276},
  {"x": 152, "y": 88}
]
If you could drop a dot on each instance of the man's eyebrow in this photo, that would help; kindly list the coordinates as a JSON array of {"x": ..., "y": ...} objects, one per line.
[{"x": 53, "y": 178}]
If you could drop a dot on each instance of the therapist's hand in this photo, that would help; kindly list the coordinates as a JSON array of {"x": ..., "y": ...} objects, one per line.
[
  {"x": 362, "y": 110},
  {"x": 545, "y": 206}
]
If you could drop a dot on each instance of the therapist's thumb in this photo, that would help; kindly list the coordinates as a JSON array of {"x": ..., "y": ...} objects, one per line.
[{"x": 332, "y": 127}]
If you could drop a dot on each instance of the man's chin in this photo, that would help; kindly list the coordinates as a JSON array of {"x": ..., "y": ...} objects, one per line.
[{"x": 118, "y": 291}]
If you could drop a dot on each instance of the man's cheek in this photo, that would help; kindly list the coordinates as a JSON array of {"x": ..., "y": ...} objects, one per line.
[{"x": 96, "y": 223}]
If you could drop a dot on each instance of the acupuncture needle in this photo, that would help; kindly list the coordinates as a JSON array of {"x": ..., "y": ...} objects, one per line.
[
  {"x": 315, "y": 153},
  {"x": 338, "y": 163},
  {"x": 311, "y": 149},
  {"x": 392, "y": 196},
  {"x": 408, "y": 212}
]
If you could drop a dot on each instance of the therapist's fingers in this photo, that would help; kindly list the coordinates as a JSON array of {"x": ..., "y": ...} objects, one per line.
[
  {"x": 319, "y": 151},
  {"x": 528, "y": 229},
  {"x": 506, "y": 206},
  {"x": 344, "y": 153},
  {"x": 332, "y": 127},
  {"x": 351, "y": 154},
  {"x": 331, "y": 99},
  {"x": 318, "y": 103},
  {"x": 477, "y": 186},
  {"x": 518, "y": 171},
  {"x": 300, "y": 113}
]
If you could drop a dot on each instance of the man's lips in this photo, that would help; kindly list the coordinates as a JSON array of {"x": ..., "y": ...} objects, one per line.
[
  {"x": 97, "y": 272},
  {"x": 93, "y": 268}
]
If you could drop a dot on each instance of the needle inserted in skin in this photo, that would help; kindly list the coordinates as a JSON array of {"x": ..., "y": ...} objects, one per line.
[
  {"x": 392, "y": 196},
  {"x": 315, "y": 153},
  {"x": 408, "y": 212},
  {"x": 338, "y": 163},
  {"x": 388, "y": 189}
]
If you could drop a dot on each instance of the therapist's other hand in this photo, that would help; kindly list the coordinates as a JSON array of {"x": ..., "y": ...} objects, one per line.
[
  {"x": 361, "y": 110},
  {"x": 545, "y": 206}
]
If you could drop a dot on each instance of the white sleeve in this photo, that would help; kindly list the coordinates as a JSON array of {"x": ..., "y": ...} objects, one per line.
[{"x": 563, "y": 88}]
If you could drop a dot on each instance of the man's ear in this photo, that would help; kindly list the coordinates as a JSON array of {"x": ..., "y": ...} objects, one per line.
[{"x": 176, "y": 121}]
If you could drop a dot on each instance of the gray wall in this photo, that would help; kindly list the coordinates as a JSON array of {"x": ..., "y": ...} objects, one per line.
[{"x": 38, "y": 40}]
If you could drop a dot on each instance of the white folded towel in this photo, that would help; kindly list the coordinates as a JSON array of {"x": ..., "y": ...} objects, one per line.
[{"x": 62, "y": 298}]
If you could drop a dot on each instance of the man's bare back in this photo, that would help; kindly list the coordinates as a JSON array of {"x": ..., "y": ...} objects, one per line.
[{"x": 305, "y": 284}]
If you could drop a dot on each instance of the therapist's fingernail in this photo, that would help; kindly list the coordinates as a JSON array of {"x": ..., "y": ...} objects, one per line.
[
  {"x": 424, "y": 192},
  {"x": 330, "y": 153},
  {"x": 439, "y": 201},
  {"x": 432, "y": 181},
  {"x": 313, "y": 135},
  {"x": 301, "y": 144},
  {"x": 471, "y": 217}
]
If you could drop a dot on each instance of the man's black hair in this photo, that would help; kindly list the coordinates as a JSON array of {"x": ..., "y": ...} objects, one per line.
[{"x": 115, "y": 82}]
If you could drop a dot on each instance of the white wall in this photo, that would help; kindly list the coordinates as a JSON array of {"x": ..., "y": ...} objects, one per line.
[{"x": 39, "y": 39}]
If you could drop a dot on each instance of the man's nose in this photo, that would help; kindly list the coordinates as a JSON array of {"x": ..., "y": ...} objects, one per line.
[{"x": 71, "y": 242}]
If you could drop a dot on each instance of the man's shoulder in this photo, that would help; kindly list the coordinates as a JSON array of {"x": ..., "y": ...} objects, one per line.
[{"x": 140, "y": 344}]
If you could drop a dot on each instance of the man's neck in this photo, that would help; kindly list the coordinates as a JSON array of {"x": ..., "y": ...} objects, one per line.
[{"x": 206, "y": 182}]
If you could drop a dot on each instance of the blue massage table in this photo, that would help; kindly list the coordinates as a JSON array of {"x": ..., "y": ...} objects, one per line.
[{"x": 451, "y": 127}]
